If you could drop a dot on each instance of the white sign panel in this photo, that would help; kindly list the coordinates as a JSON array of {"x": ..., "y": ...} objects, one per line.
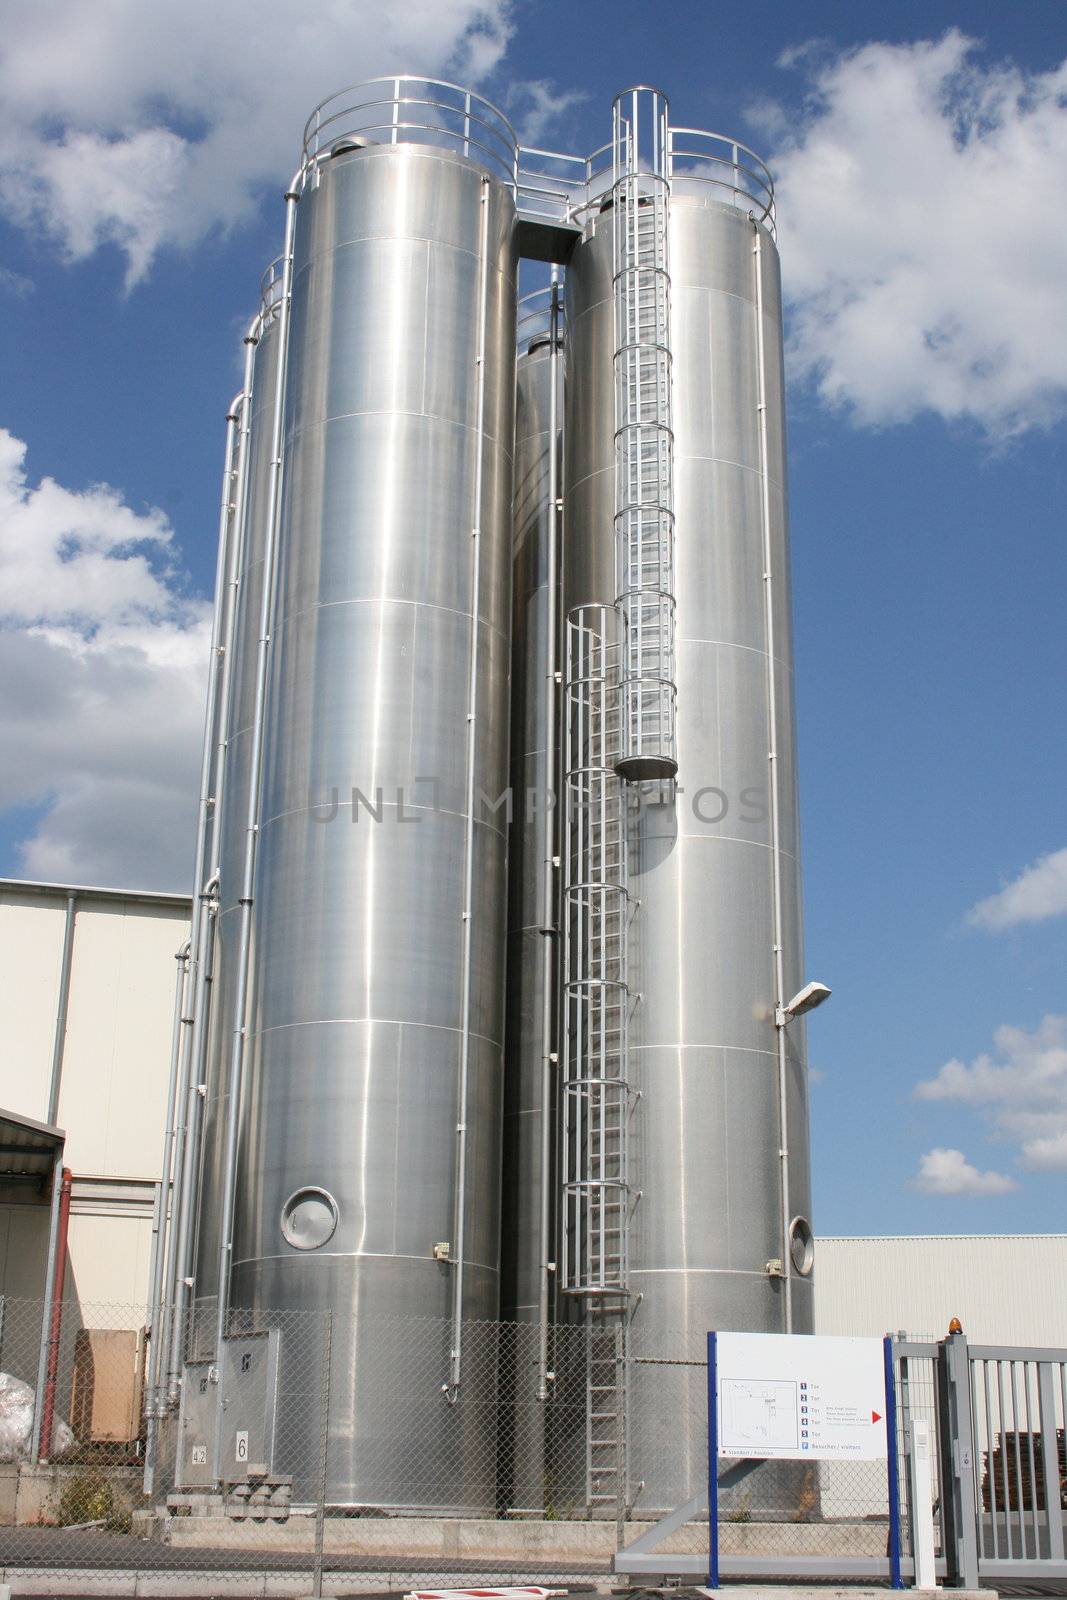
[{"x": 800, "y": 1397}]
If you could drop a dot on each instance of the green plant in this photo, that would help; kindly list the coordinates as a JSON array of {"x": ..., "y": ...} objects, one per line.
[{"x": 89, "y": 1496}]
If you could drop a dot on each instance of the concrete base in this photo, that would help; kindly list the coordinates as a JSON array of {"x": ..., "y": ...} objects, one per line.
[
  {"x": 830, "y": 1591},
  {"x": 449, "y": 1539},
  {"x": 31, "y": 1494},
  {"x": 90, "y": 1584}
]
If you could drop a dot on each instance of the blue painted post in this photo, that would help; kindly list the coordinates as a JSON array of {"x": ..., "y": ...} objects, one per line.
[
  {"x": 891, "y": 1463},
  {"x": 713, "y": 1466}
]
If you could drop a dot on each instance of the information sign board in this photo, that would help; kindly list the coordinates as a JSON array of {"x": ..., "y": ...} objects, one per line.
[{"x": 800, "y": 1397}]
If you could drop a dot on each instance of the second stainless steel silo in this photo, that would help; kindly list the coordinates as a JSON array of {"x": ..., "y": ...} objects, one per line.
[{"x": 716, "y": 1135}]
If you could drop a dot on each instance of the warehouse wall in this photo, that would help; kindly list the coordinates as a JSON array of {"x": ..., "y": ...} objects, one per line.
[
  {"x": 1005, "y": 1288},
  {"x": 113, "y": 1089}
]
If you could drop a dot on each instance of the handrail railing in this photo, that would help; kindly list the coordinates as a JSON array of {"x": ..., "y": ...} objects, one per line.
[
  {"x": 549, "y": 185},
  {"x": 394, "y": 109},
  {"x": 700, "y": 160}
]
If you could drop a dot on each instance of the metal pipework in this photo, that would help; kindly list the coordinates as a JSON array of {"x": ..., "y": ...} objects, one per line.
[
  {"x": 238, "y": 537},
  {"x": 160, "y": 1214},
  {"x": 451, "y": 1388},
  {"x": 199, "y": 950},
  {"x": 273, "y": 517},
  {"x": 550, "y": 929},
  {"x": 780, "y": 995},
  {"x": 46, "y": 1310},
  {"x": 60, "y": 1039},
  {"x": 55, "y": 1327}
]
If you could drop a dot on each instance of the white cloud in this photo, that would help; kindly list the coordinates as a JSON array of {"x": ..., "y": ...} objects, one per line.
[
  {"x": 923, "y": 256},
  {"x": 104, "y": 660},
  {"x": 1039, "y": 892},
  {"x": 949, "y": 1172},
  {"x": 1022, "y": 1085},
  {"x": 535, "y": 107},
  {"x": 145, "y": 124}
]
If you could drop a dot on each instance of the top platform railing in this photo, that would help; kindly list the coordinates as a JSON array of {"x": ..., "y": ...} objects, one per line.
[
  {"x": 409, "y": 110},
  {"x": 550, "y": 186}
]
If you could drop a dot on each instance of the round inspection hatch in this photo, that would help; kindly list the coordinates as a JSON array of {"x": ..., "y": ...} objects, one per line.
[
  {"x": 309, "y": 1219},
  {"x": 801, "y": 1246}
]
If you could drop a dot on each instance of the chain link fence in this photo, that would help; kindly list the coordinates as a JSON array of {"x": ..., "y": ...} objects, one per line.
[{"x": 324, "y": 1453}]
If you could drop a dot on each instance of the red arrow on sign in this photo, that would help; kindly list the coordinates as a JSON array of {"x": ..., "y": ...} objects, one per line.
[{"x": 875, "y": 1417}]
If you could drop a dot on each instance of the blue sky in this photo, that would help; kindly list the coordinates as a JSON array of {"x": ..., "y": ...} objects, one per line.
[{"x": 924, "y": 249}]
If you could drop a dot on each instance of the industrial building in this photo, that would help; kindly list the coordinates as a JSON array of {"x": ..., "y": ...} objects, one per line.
[{"x": 489, "y": 1004}]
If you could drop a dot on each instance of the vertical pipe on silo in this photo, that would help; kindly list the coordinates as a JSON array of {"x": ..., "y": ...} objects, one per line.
[
  {"x": 200, "y": 937},
  {"x": 549, "y": 929},
  {"x": 273, "y": 519},
  {"x": 157, "y": 1310},
  {"x": 451, "y": 1388},
  {"x": 780, "y": 996}
]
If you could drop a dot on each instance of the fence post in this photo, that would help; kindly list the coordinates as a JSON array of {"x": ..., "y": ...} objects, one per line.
[
  {"x": 324, "y": 1445},
  {"x": 959, "y": 1503},
  {"x": 1050, "y": 1461},
  {"x": 622, "y": 1433}
]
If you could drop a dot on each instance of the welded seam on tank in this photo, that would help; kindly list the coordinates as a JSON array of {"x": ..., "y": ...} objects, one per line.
[
  {"x": 367, "y": 1255},
  {"x": 384, "y": 1022},
  {"x": 400, "y": 411},
  {"x": 685, "y": 455},
  {"x": 719, "y": 838},
  {"x": 381, "y": 1021},
  {"x": 395, "y": 805},
  {"x": 684, "y": 288},
  {"x": 747, "y": 1049},
  {"x": 732, "y": 644},
  {"x": 389, "y": 600},
  {"x": 400, "y": 238}
]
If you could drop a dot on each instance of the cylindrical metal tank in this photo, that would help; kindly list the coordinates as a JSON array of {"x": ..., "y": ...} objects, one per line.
[
  {"x": 704, "y": 1146},
  {"x": 372, "y": 1092},
  {"x": 230, "y": 824}
]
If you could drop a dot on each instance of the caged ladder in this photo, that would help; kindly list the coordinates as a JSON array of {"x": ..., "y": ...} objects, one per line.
[
  {"x": 644, "y": 440},
  {"x": 596, "y": 1099}
]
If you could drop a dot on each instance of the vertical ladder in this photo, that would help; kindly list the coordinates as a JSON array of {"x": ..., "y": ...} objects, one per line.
[
  {"x": 605, "y": 1417},
  {"x": 644, "y": 441},
  {"x": 596, "y": 1099}
]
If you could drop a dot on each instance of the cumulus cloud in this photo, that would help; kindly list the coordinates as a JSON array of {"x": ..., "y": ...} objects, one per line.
[
  {"x": 142, "y": 125},
  {"x": 944, "y": 1171},
  {"x": 925, "y": 263},
  {"x": 104, "y": 658},
  {"x": 1021, "y": 1085},
  {"x": 1036, "y": 894},
  {"x": 536, "y": 106}
]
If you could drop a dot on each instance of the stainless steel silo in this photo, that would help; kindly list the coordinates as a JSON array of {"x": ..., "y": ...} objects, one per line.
[
  {"x": 714, "y": 886},
  {"x": 370, "y": 1123},
  {"x": 231, "y": 812}
]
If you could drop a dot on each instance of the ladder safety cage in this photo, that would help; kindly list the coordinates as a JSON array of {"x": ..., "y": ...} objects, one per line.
[
  {"x": 596, "y": 1099},
  {"x": 644, "y": 439}
]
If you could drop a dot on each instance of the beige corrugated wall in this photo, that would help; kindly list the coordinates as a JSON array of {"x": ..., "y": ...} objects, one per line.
[
  {"x": 1005, "y": 1288},
  {"x": 114, "y": 1086}
]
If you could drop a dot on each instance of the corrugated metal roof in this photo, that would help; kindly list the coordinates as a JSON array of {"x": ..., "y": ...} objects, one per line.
[{"x": 27, "y": 1148}]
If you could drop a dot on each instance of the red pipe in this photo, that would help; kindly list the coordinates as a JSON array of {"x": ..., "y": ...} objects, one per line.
[{"x": 48, "y": 1409}]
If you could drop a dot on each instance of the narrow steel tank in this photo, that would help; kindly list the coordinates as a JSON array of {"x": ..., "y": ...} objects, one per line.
[
  {"x": 375, "y": 1030},
  {"x": 704, "y": 1164},
  {"x": 230, "y": 822}
]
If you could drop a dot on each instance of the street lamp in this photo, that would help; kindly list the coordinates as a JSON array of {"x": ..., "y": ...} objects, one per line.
[{"x": 812, "y": 995}]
